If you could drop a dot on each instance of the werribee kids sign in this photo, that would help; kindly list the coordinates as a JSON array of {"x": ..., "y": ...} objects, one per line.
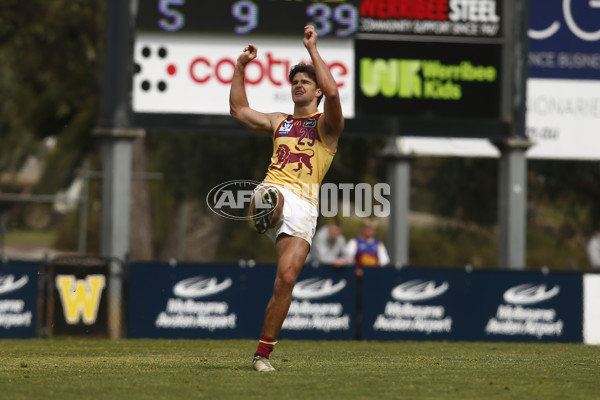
[{"x": 428, "y": 80}]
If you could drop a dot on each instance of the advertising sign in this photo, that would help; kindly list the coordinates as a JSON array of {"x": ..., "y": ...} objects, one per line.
[
  {"x": 78, "y": 299},
  {"x": 526, "y": 306},
  {"x": 428, "y": 80},
  {"x": 18, "y": 299},
  {"x": 412, "y": 304},
  {"x": 186, "y": 74},
  {"x": 424, "y": 304},
  {"x": 563, "y": 88},
  {"x": 564, "y": 37},
  {"x": 563, "y": 104},
  {"x": 323, "y": 305},
  {"x": 199, "y": 301},
  {"x": 190, "y": 301},
  {"x": 456, "y": 18},
  {"x": 591, "y": 308}
]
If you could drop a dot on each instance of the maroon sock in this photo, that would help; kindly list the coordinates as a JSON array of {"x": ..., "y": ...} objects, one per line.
[{"x": 265, "y": 346}]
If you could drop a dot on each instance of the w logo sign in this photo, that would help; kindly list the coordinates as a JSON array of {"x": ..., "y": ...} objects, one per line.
[{"x": 80, "y": 298}]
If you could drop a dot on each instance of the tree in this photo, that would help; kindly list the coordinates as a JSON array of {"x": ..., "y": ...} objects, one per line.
[{"x": 48, "y": 79}]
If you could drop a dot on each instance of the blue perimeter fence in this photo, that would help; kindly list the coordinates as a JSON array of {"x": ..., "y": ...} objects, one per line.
[{"x": 160, "y": 300}]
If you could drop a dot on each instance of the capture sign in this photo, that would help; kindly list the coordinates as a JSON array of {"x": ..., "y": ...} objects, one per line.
[{"x": 193, "y": 74}]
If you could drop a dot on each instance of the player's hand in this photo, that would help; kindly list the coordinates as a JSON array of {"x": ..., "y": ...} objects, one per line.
[
  {"x": 310, "y": 37},
  {"x": 250, "y": 52}
]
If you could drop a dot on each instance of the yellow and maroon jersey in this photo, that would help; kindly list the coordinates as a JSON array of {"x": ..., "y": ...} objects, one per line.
[{"x": 300, "y": 157}]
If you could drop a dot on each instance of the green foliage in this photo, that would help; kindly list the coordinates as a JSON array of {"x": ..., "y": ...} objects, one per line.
[
  {"x": 75, "y": 141},
  {"x": 240, "y": 241},
  {"x": 357, "y": 161},
  {"x": 571, "y": 188},
  {"x": 67, "y": 232},
  {"x": 464, "y": 188},
  {"x": 48, "y": 73},
  {"x": 192, "y": 164},
  {"x": 452, "y": 246}
]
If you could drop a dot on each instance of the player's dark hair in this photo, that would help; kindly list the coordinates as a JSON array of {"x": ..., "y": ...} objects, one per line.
[{"x": 307, "y": 69}]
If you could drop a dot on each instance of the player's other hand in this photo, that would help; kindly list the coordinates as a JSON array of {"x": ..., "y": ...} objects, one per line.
[
  {"x": 250, "y": 52},
  {"x": 310, "y": 36}
]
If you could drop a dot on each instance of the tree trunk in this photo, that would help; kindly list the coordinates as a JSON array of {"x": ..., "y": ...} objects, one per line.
[
  {"x": 194, "y": 234},
  {"x": 140, "y": 234}
]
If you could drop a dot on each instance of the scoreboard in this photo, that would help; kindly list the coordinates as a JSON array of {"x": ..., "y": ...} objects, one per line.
[
  {"x": 241, "y": 17},
  {"x": 436, "y": 66}
]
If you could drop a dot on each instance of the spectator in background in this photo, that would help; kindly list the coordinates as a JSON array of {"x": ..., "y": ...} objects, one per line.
[
  {"x": 328, "y": 245},
  {"x": 366, "y": 250},
  {"x": 593, "y": 250}
]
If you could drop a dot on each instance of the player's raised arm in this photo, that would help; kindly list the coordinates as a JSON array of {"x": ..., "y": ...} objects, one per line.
[
  {"x": 239, "y": 108},
  {"x": 332, "y": 122}
]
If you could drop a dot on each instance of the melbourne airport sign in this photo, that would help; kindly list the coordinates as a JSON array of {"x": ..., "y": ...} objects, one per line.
[
  {"x": 195, "y": 302},
  {"x": 228, "y": 301},
  {"x": 18, "y": 299},
  {"x": 212, "y": 301},
  {"x": 323, "y": 305},
  {"x": 190, "y": 301}
]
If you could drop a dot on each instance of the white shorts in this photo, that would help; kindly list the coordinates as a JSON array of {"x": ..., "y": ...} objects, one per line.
[{"x": 299, "y": 216}]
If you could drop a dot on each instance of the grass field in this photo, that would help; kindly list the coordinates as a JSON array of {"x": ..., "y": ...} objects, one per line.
[{"x": 221, "y": 369}]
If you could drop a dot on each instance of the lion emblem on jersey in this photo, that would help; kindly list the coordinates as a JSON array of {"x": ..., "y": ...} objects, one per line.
[{"x": 285, "y": 156}]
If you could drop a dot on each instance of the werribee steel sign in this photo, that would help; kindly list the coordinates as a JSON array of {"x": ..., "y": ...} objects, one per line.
[
  {"x": 435, "y": 65},
  {"x": 454, "y": 18}
]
